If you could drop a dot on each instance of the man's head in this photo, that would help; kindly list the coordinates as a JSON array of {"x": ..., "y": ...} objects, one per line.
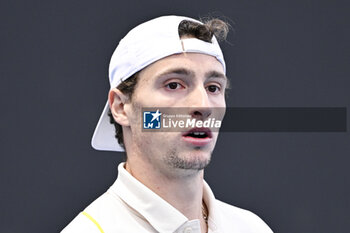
[
  {"x": 192, "y": 77},
  {"x": 187, "y": 29}
]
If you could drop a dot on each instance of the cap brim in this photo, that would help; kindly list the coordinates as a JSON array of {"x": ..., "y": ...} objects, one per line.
[{"x": 104, "y": 135}]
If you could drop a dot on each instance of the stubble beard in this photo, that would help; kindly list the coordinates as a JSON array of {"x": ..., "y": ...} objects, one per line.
[{"x": 174, "y": 160}]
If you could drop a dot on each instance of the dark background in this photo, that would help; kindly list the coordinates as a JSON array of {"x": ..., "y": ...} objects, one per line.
[{"x": 54, "y": 62}]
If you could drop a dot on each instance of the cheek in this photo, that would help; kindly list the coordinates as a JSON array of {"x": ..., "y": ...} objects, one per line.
[
  {"x": 154, "y": 146},
  {"x": 219, "y": 101}
]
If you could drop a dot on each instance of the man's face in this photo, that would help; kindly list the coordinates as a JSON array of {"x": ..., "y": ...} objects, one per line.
[{"x": 191, "y": 80}]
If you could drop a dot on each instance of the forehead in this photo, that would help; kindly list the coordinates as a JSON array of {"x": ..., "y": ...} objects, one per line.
[{"x": 197, "y": 63}]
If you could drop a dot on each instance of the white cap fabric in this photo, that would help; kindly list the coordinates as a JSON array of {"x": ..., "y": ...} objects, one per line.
[{"x": 143, "y": 45}]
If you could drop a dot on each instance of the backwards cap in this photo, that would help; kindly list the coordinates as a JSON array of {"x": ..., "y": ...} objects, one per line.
[{"x": 143, "y": 45}]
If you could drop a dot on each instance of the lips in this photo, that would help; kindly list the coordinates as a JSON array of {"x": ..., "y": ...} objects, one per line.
[{"x": 198, "y": 136}]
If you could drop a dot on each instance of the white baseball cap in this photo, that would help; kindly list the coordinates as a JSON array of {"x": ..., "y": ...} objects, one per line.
[{"x": 143, "y": 45}]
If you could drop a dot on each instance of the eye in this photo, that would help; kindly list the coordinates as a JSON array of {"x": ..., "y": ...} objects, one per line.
[
  {"x": 173, "y": 85},
  {"x": 213, "y": 88}
]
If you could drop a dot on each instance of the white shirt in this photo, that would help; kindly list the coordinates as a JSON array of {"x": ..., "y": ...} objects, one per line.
[{"x": 129, "y": 206}]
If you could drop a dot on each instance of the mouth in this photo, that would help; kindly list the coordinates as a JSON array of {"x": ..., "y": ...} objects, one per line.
[{"x": 198, "y": 136}]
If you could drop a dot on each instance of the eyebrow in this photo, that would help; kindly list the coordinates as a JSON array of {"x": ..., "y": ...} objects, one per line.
[
  {"x": 180, "y": 71},
  {"x": 190, "y": 73},
  {"x": 215, "y": 74}
]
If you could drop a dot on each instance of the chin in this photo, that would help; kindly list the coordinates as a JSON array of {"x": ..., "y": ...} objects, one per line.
[{"x": 195, "y": 159}]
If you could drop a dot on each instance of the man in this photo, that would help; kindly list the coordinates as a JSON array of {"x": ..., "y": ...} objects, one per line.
[{"x": 170, "y": 61}]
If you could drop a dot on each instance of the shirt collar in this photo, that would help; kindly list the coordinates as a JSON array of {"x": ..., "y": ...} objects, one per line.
[
  {"x": 155, "y": 209},
  {"x": 147, "y": 203}
]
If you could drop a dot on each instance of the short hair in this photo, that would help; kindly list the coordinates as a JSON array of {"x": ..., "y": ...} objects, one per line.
[{"x": 204, "y": 32}]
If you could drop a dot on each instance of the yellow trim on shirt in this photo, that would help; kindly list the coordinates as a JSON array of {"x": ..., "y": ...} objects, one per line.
[{"x": 93, "y": 220}]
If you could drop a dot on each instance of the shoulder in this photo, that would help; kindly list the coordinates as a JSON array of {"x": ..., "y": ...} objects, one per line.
[
  {"x": 241, "y": 219},
  {"x": 98, "y": 216},
  {"x": 82, "y": 223}
]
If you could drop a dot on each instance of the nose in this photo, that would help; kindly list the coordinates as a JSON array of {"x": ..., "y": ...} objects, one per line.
[{"x": 200, "y": 107}]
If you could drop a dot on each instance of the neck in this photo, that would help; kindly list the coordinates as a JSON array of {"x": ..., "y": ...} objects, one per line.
[{"x": 182, "y": 189}]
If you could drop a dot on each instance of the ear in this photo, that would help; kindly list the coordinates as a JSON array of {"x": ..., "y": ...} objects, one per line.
[{"x": 117, "y": 102}]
